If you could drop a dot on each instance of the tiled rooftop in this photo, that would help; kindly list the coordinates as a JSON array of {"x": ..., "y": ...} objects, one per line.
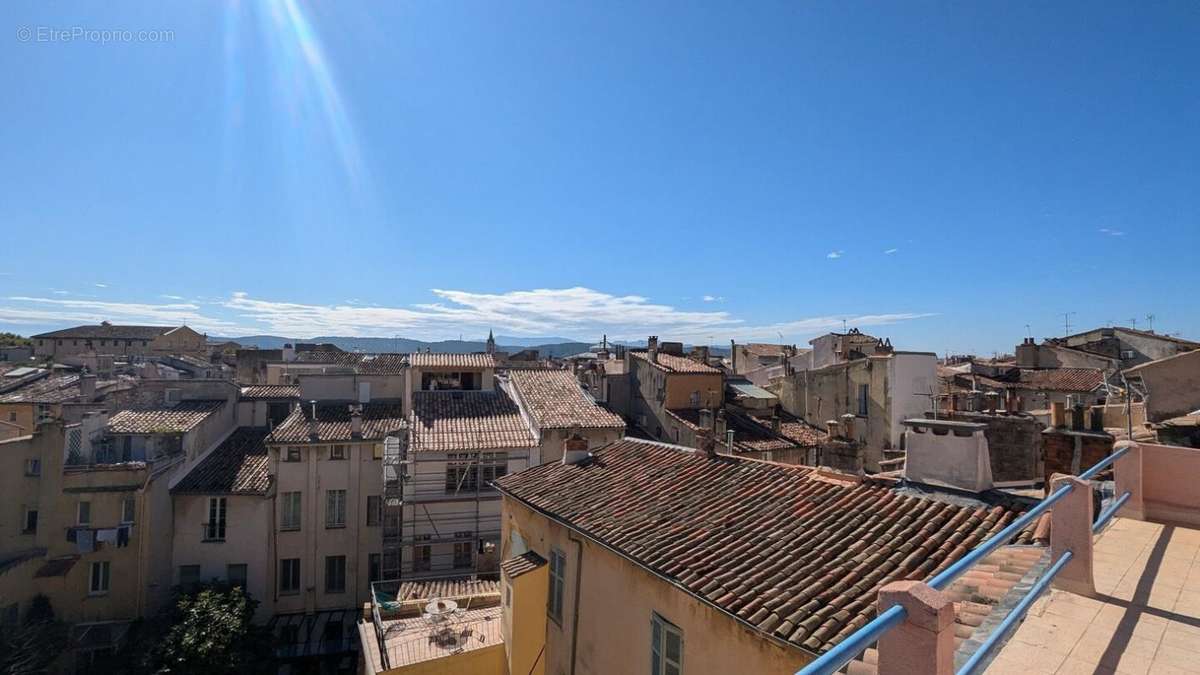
[
  {"x": 752, "y": 435},
  {"x": 446, "y": 360},
  {"x": 270, "y": 391},
  {"x": 1145, "y": 617},
  {"x": 109, "y": 331},
  {"x": 181, "y": 418},
  {"x": 791, "y": 554},
  {"x": 237, "y": 466},
  {"x": 447, "y": 421},
  {"x": 430, "y": 589},
  {"x": 368, "y": 364},
  {"x": 59, "y": 389},
  {"x": 333, "y": 423},
  {"x": 518, "y": 565},
  {"x": 677, "y": 364},
  {"x": 555, "y": 401}
]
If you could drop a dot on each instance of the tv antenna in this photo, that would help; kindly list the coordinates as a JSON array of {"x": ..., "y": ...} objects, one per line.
[
  {"x": 1150, "y": 322},
  {"x": 1133, "y": 322},
  {"x": 1067, "y": 321},
  {"x": 1028, "y": 330}
]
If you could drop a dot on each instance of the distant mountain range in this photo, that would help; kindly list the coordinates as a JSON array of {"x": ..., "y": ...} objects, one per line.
[{"x": 546, "y": 346}]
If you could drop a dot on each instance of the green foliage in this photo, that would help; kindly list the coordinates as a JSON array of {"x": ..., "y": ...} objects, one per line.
[
  {"x": 209, "y": 630},
  {"x": 13, "y": 340},
  {"x": 34, "y": 646}
]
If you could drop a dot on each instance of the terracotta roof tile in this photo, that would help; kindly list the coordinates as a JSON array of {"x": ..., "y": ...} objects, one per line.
[
  {"x": 270, "y": 391},
  {"x": 181, "y": 418},
  {"x": 445, "y": 360},
  {"x": 369, "y": 364},
  {"x": 109, "y": 331},
  {"x": 333, "y": 423},
  {"x": 237, "y": 466},
  {"x": 446, "y": 421},
  {"x": 555, "y": 401},
  {"x": 446, "y": 588},
  {"x": 791, "y": 556},
  {"x": 676, "y": 364},
  {"x": 526, "y": 562}
]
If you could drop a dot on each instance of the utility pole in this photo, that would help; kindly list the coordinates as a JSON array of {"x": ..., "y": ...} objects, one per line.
[
  {"x": 1150, "y": 322},
  {"x": 1028, "y": 330}
]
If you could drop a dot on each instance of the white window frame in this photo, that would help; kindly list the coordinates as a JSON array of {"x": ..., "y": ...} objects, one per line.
[
  {"x": 661, "y": 631},
  {"x": 558, "y": 584},
  {"x": 288, "y": 451},
  {"x": 374, "y": 510},
  {"x": 218, "y": 518},
  {"x": 82, "y": 506},
  {"x": 128, "y": 510},
  {"x": 25, "y": 529},
  {"x": 332, "y": 559},
  {"x": 335, "y": 509},
  {"x": 99, "y": 577},
  {"x": 289, "y": 517},
  {"x": 295, "y": 588},
  {"x": 338, "y": 452}
]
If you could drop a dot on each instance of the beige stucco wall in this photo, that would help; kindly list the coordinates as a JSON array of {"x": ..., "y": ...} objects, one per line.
[
  {"x": 20, "y": 414},
  {"x": 616, "y": 602},
  {"x": 247, "y": 542}
]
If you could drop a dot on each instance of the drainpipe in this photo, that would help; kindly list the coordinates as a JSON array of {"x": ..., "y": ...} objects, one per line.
[{"x": 575, "y": 611}]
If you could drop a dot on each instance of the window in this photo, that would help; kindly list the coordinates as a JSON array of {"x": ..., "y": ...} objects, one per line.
[
  {"x": 128, "y": 509},
  {"x": 374, "y": 510},
  {"x": 83, "y": 515},
  {"x": 335, "y": 574},
  {"x": 289, "y": 575},
  {"x": 558, "y": 564},
  {"x": 12, "y": 417},
  {"x": 235, "y": 575},
  {"x": 337, "y": 452},
  {"x": 1127, "y": 353},
  {"x": 864, "y": 398},
  {"x": 29, "y": 522},
  {"x": 98, "y": 578},
  {"x": 422, "y": 558},
  {"x": 291, "y": 454},
  {"x": 335, "y": 508},
  {"x": 33, "y": 467},
  {"x": 462, "y": 555},
  {"x": 214, "y": 529},
  {"x": 377, "y": 451},
  {"x": 290, "y": 518},
  {"x": 189, "y": 576},
  {"x": 374, "y": 568},
  {"x": 466, "y": 470},
  {"x": 666, "y": 647}
]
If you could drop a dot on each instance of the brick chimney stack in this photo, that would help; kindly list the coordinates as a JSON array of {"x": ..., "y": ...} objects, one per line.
[
  {"x": 356, "y": 419},
  {"x": 87, "y": 388},
  {"x": 652, "y": 348},
  {"x": 707, "y": 443},
  {"x": 312, "y": 421},
  {"x": 848, "y": 425}
]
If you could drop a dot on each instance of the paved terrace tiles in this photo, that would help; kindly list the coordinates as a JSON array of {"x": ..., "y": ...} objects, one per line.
[
  {"x": 1144, "y": 619},
  {"x": 555, "y": 401},
  {"x": 790, "y": 554},
  {"x": 178, "y": 419}
]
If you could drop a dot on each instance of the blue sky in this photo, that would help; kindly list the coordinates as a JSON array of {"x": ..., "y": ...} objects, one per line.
[{"x": 942, "y": 173}]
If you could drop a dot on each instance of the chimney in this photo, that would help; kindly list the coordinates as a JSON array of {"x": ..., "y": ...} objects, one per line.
[
  {"x": 1077, "y": 421},
  {"x": 831, "y": 426},
  {"x": 356, "y": 421},
  {"x": 733, "y": 354},
  {"x": 707, "y": 442},
  {"x": 1097, "y": 419},
  {"x": 289, "y": 353},
  {"x": 1058, "y": 415},
  {"x": 954, "y": 402},
  {"x": 87, "y": 388},
  {"x": 706, "y": 418},
  {"x": 1010, "y": 401},
  {"x": 575, "y": 448},
  {"x": 652, "y": 348},
  {"x": 848, "y": 425},
  {"x": 991, "y": 401},
  {"x": 312, "y": 421},
  {"x": 775, "y": 426},
  {"x": 719, "y": 426}
]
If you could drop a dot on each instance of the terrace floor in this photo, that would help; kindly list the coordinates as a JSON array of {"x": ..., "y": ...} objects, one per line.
[{"x": 1144, "y": 619}]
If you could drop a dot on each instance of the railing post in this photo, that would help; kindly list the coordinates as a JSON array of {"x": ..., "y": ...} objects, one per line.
[
  {"x": 924, "y": 643},
  {"x": 1127, "y": 474},
  {"x": 1071, "y": 530}
]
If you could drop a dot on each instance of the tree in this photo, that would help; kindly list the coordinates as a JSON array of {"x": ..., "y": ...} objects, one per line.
[
  {"x": 209, "y": 630},
  {"x": 35, "y": 645},
  {"x": 14, "y": 340}
]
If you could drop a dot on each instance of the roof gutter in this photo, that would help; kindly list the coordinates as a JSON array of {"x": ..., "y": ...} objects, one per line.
[{"x": 672, "y": 582}]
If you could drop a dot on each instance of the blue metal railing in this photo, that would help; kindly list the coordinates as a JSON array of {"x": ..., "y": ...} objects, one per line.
[{"x": 858, "y": 641}]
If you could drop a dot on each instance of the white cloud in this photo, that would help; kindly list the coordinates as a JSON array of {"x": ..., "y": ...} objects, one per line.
[
  {"x": 1111, "y": 232},
  {"x": 100, "y": 285},
  {"x": 59, "y": 291},
  {"x": 834, "y": 255},
  {"x": 167, "y": 296},
  {"x": 713, "y": 298},
  {"x": 891, "y": 251},
  {"x": 576, "y": 312}
]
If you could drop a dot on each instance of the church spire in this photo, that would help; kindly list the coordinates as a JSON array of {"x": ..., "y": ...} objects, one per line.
[{"x": 491, "y": 343}]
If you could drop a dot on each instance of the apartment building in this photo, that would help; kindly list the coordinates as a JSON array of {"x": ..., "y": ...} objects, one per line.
[
  {"x": 117, "y": 340},
  {"x": 662, "y": 382},
  {"x": 555, "y": 407}
]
